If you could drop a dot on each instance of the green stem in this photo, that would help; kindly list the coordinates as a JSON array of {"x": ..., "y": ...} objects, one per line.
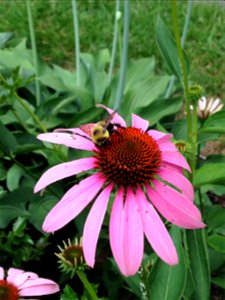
[
  {"x": 20, "y": 121},
  {"x": 32, "y": 114},
  {"x": 183, "y": 38},
  {"x": 115, "y": 39},
  {"x": 34, "y": 52},
  {"x": 122, "y": 75},
  {"x": 76, "y": 40},
  {"x": 87, "y": 285},
  {"x": 184, "y": 82}
]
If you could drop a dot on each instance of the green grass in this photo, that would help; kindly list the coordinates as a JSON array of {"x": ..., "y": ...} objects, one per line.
[{"x": 205, "y": 44}]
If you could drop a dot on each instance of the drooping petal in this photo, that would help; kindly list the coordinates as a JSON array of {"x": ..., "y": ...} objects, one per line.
[
  {"x": 93, "y": 225},
  {"x": 68, "y": 139},
  {"x": 1, "y": 273},
  {"x": 13, "y": 273},
  {"x": 126, "y": 233},
  {"x": 38, "y": 287},
  {"x": 133, "y": 239},
  {"x": 116, "y": 229},
  {"x": 178, "y": 180},
  {"x": 157, "y": 135},
  {"x": 175, "y": 158},
  {"x": 72, "y": 203},
  {"x": 117, "y": 119},
  {"x": 64, "y": 170},
  {"x": 156, "y": 231},
  {"x": 20, "y": 279},
  {"x": 174, "y": 206},
  {"x": 140, "y": 123}
]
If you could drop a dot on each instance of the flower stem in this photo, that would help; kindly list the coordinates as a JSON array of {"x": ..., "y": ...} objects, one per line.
[
  {"x": 183, "y": 38},
  {"x": 87, "y": 284},
  {"x": 34, "y": 52},
  {"x": 76, "y": 40},
  {"x": 115, "y": 39},
  {"x": 32, "y": 114},
  {"x": 191, "y": 139},
  {"x": 122, "y": 75}
]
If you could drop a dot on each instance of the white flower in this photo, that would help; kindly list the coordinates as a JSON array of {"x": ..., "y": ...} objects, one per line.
[{"x": 207, "y": 107}]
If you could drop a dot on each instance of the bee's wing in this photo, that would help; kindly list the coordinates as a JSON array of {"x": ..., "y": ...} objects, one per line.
[{"x": 87, "y": 128}]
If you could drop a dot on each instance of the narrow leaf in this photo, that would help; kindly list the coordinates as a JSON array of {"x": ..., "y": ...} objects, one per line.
[
  {"x": 168, "y": 282},
  {"x": 199, "y": 263}
]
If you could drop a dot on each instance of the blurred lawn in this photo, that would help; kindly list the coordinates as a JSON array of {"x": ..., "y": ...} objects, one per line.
[{"x": 205, "y": 44}]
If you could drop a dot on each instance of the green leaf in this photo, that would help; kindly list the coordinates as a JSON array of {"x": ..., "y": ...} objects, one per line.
[
  {"x": 7, "y": 140},
  {"x": 210, "y": 173},
  {"x": 4, "y": 37},
  {"x": 168, "y": 282},
  {"x": 144, "y": 93},
  {"x": 168, "y": 48},
  {"x": 199, "y": 263},
  {"x": 10, "y": 212},
  {"x": 68, "y": 294},
  {"x": 40, "y": 208},
  {"x": 217, "y": 242},
  {"x": 215, "y": 123},
  {"x": 13, "y": 177},
  {"x": 160, "y": 108},
  {"x": 219, "y": 281},
  {"x": 215, "y": 216},
  {"x": 139, "y": 70}
]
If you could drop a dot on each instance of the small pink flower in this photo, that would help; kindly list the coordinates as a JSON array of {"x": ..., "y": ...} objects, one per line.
[
  {"x": 20, "y": 283},
  {"x": 146, "y": 170}
]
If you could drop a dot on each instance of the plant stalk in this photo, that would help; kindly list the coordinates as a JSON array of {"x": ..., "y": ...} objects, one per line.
[
  {"x": 76, "y": 40},
  {"x": 34, "y": 52},
  {"x": 190, "y": 133},
  {"x": 114, "y": 45},
  {"x": 123, "y": 68},
  {"x": 87, "y": 285},
  {"x": 183, "y": 38}
]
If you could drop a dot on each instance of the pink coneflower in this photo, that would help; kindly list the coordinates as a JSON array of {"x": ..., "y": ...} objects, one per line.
[
  {"x": 145, "y": 170},
  {"x": 20, "y": 283}
]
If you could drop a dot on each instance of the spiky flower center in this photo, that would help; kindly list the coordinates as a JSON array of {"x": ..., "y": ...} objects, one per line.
[
  {"x": 8, "y": 291},
  {"x": 130, "y": 157}
]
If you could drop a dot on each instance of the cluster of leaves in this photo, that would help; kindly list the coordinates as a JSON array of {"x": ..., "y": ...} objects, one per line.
[{"x": 64, "y": 103}]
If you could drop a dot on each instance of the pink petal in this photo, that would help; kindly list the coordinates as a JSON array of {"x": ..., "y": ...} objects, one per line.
[
  {"x": 64, "y": 170},
  {"x": 116, "y": 228},
  {"x": 38, "y": 287},
  {"x": 174, "y": 206},
  {"x": 68, "y": 139},
  {"x": 117, "y": 119},
  {"x": 166, "y": 144},
  {"x": 140, "y": 123},
  {"x": 178, "y": 180},
  {"x": 20, "y": 279},
  {"x": 157, "y": 135},
  {"x": 175, "y": 158},
  {"x": 172, "y": 167},
  {"x": 126, "y": 233},
  {"x": 1, "y": 273},
  {"x": 93, "y": 225},
  {"x": 156, "y": 231},
  {"x": 72, "y": 203},
  {"x": 133, "y": 239},
  {"x": 13, "y": 273}
]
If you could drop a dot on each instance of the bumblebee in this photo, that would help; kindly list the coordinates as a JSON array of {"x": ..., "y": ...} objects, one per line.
[{"x": 101, "y": 132}]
